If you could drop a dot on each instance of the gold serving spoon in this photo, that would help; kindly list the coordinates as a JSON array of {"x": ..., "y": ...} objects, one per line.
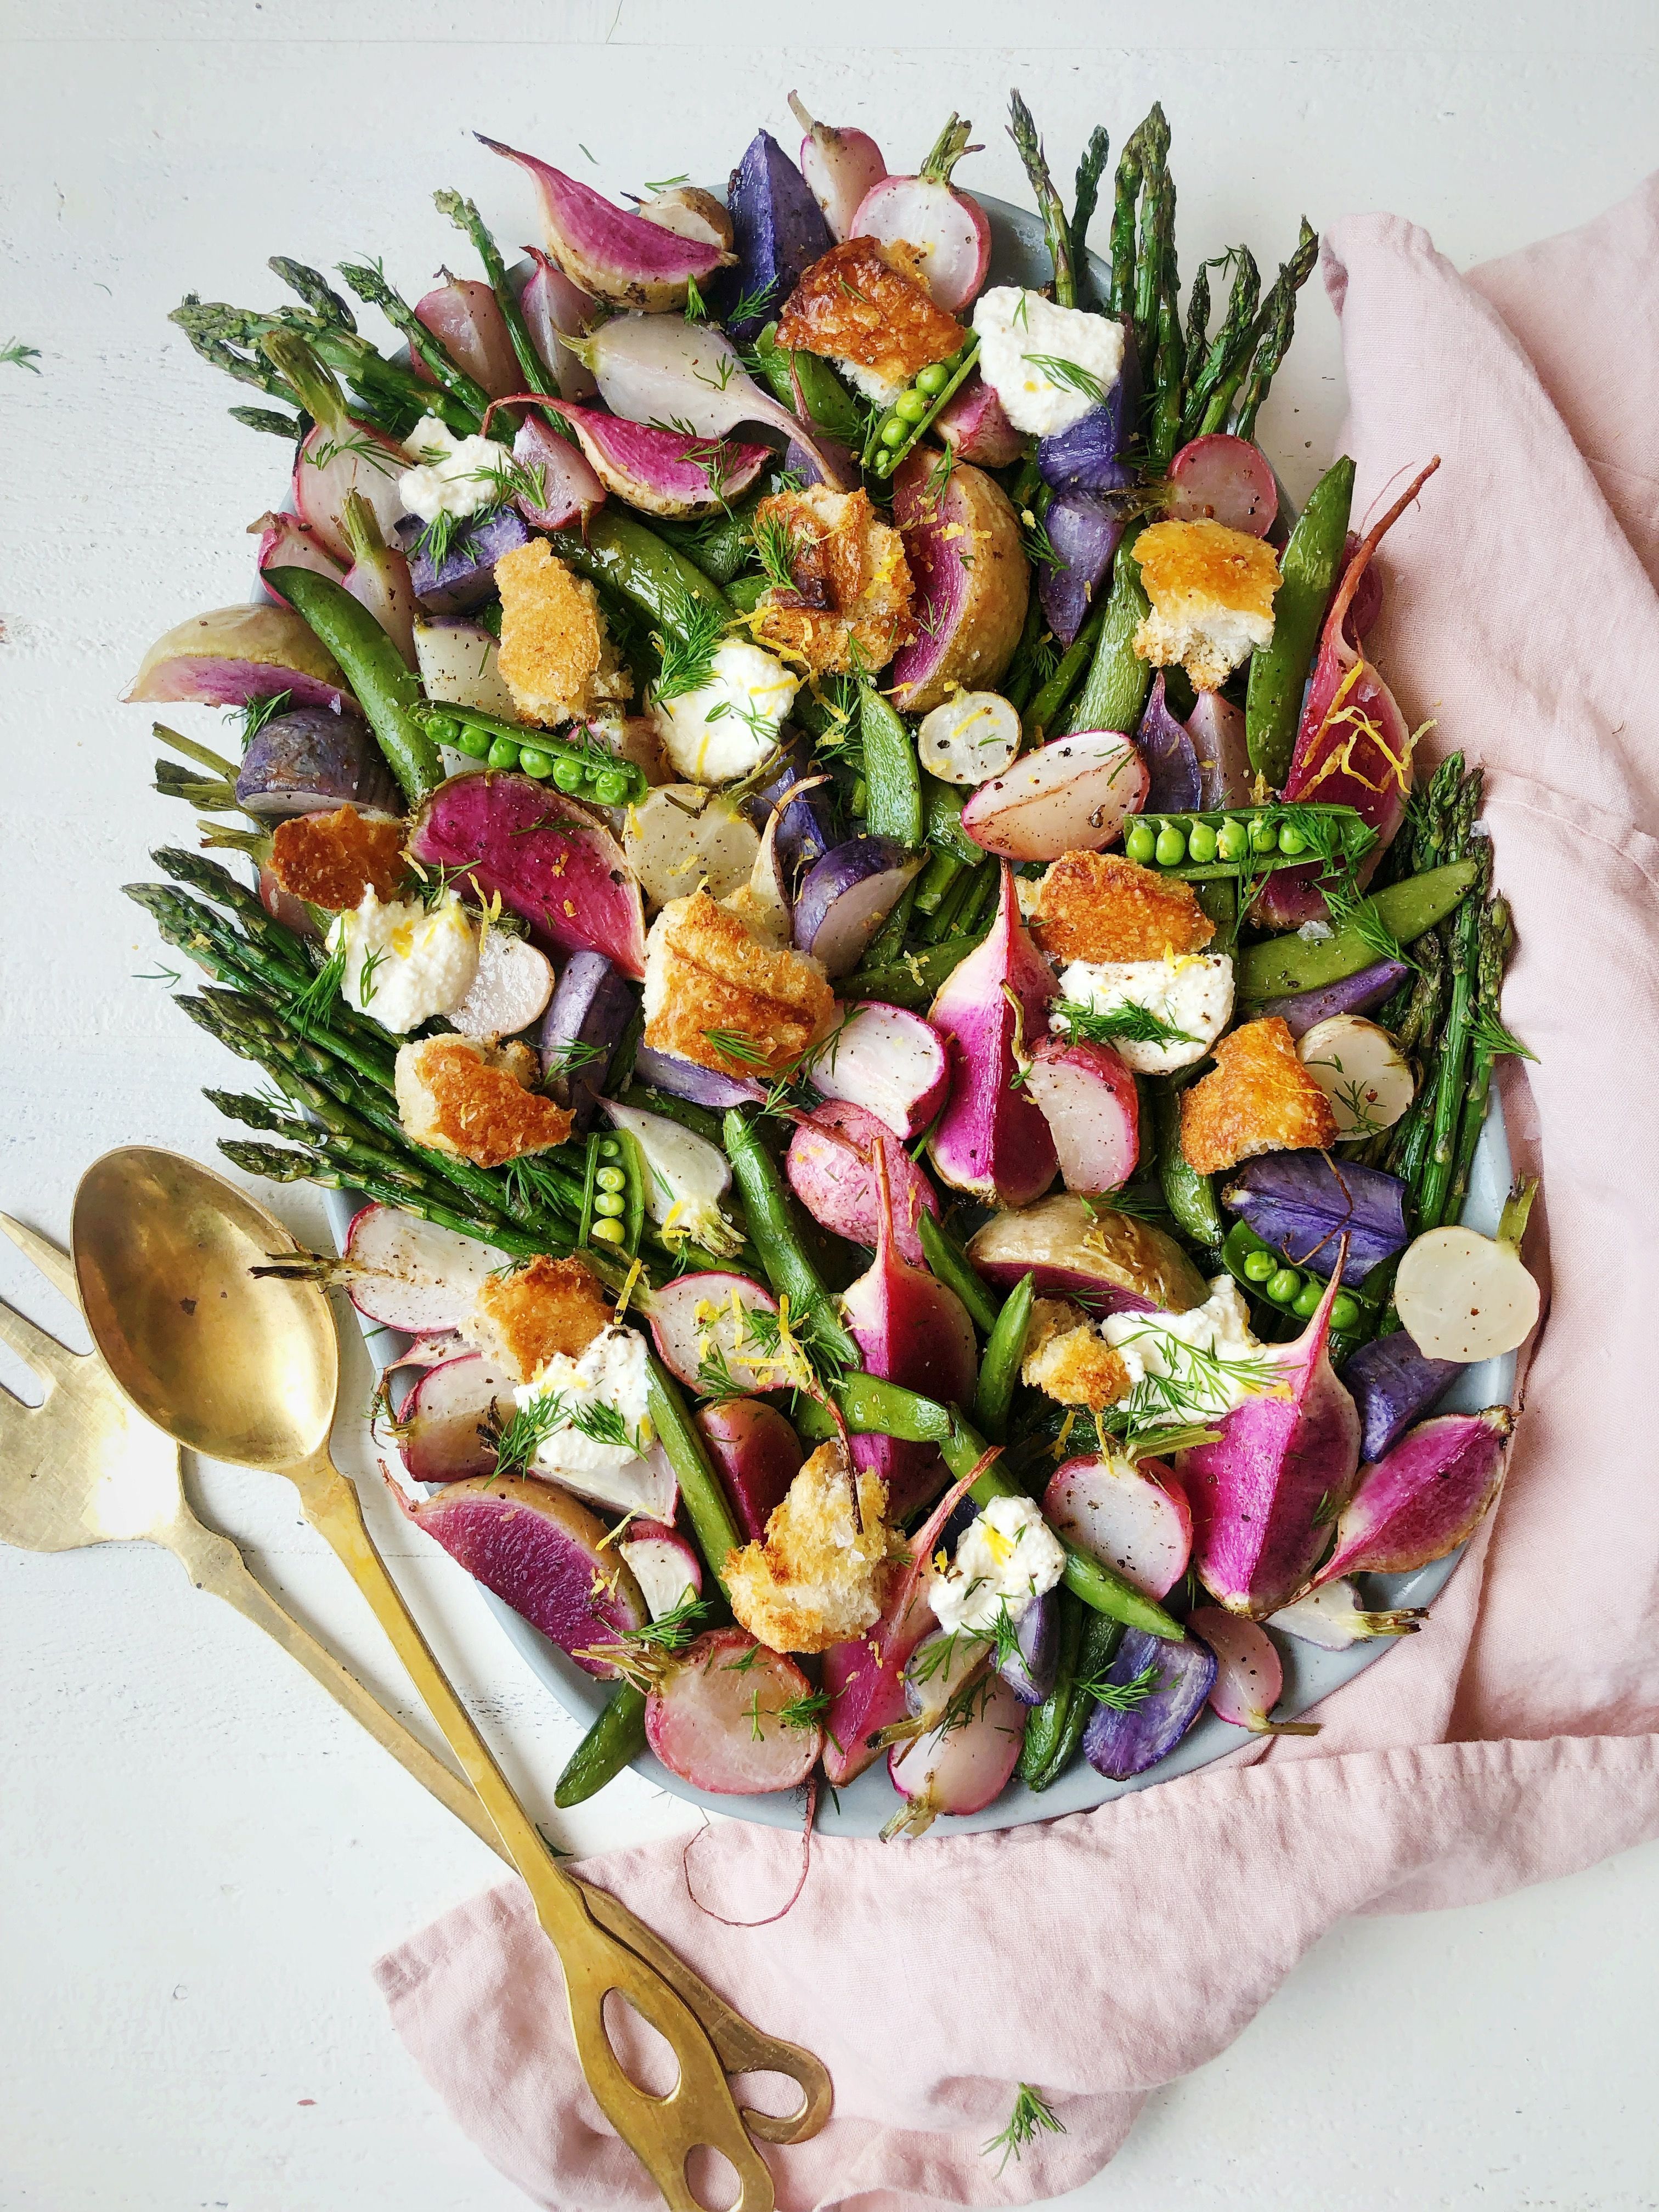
[
  {"x": 247, "y": 1369},
  {"x": 84, "y": 1467}
]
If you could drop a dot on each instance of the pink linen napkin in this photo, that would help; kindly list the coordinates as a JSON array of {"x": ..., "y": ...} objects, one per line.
[{"x": 1515, "y": 1740}]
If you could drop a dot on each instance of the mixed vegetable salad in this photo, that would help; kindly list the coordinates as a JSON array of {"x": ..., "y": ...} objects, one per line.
[{"x": 833, "y": 868}]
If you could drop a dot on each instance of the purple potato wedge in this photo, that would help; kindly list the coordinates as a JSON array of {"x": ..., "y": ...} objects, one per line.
[
  {"x": 1394, "y": 1384},
  {"x": 580, "y": 1031},
  {"x": 778, "y": 233},
  {"x": 846, "y": 896},
  {"x": 1084, "y": 532},
  {"x": 1165, "y": 744},
  {"x": 699, "y": 1087},
  {"x": 311, "y": 761},
  {"x": 1303, "y": 1204},
  {"x": 1091, "y": 455},
  {"x": 1354, "y": 994},
  {"x": 1029, "y": 1669},
  {"x": 1121, "y": 1744},
  {"x": 466, "y": 574}
]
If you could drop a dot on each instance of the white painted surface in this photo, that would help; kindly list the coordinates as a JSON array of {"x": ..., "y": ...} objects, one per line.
[{"x": 201, "y": 1856}]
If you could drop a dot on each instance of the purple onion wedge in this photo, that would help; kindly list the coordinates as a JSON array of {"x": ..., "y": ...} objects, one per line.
[
  {"x": 581, "y": 1030},
  {"x": 1394, "y": 1384},
  {"x": 1354, "y": 994},
  {"x": 466, "y": 574},
  {"x": 1029, "y": 1666},
  {"x": 1119, "y": 1744},
  {"x": 846, "y": 896},
  {"x": 1084, "y": 532},
  {"x": 702, "y": 1086},
  {"x": 311, "y": 761},
  {"x": 1304, "y": 1204},
  {"x": 1165, "y": 745}
]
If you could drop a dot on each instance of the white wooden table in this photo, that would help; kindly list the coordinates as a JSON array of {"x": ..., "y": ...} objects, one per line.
[{"x": 200, "y": 1855}]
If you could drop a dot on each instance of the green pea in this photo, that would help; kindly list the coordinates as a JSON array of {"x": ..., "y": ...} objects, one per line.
[
  {"x": 610, "y": 1206},
  {"x": 1233, "y": 842},
  {"x": 885, "y": 464},
  {"x": 611, "y": 1179},
  {"x": 610, "y": 1148},
  {"x": 911, "y": 406},
  {"x": 1282, "y": 1285},
  {"x": 1258, "y": 1266},
  {"x": 933, "y": 378},
  {"x": 1305, "y": 1303},
  {"x": 1345, "y": 1311},
  {"x": 444, "y": 730},
  {"x": 503, "y": 752},
  {"x": 611, "y": 787},
  {"x": 894, "y": 433},
  {"x": 607, "y": 1230},
  {"x": 1202, "y": 841},
  {"x": 1171, "y": 847},
  {"x": 1263, "y": 836},
  {"x": 472, "y": 740},
  {"x": 1141, "y": 841},
  {"x": 1291, "y": 839},
  {"x": 534, "y": 761},
  {"x": 567, "y": 774}
]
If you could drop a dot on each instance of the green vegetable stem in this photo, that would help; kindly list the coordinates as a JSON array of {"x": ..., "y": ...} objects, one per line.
[
  {"x": 706, "y": 1507},
  {"x": 1308, "y": 574},
  {"x": 1046, "y": 1728},
  {"x": 949, "y": 1264},
  {"x": 615, "y": 1741}
]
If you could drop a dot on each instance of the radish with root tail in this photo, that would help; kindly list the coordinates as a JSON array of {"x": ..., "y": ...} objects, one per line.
[
  {"x": 1250, "y": 1674},
  {"x": 729, "y": 1716},
  {"x": 410, "y": 1274},
  {"x": 1334, "y": 1616},
  {"x": 1427, "y": 1497},
  {"x": 964, "y": 1763},
  {"x": 931, "y": 217},
  {"x": 838, "y": 167},
  {"x": 887, "y": 1060},
  {"x": 1072, "y": 795}
]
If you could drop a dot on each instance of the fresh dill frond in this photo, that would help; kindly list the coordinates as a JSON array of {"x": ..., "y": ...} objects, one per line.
[
  {"x": 806, "y": 1710},
  {"x": 373, "y": 959},
  {"x": 16, "y": 355},
  {"x": 686, "y": 645},
  {"x": 733, "y": 1045},
  {"x": 751, "y": 304},
  {"x": 1125, "y": 1025},
  {"x": 696, "y": 307},
  {"x": 1488, "y": 1035},
  {"x": 519, "y": 1440},
  {"x": 565, "y": 1058},
  {"x": 1350, "y": 910},
  {"x": 667, "y": 184},
  {"x": 1123, "y": 1696},
  {"x": 253, "y": 717},
  {"x": 311, "y": 1009},
  {"x": 1038, "y": 545},
  {"x": 602, "y": 1424},
  {"x": 1070, "y": 375},
  {"x": 775, "y": 549},
  {"x": 438, "y": 541},
  {"x": 1031, "y": 2117},
  {"x": 671, "y": 1631}
]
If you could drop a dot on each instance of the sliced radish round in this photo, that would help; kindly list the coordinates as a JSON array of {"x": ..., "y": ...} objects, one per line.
[
  {"x": 431, "y": 1349},
  {"x": 888, "y": 1061},
  {"x": 681, "y": 837},
  {"x": 1250, "y": 1674},
  {"x": 1361, "y": 1069},
  {"x": 969, "y": 738},
  {"x": 509, "y": 990},
  {"x": 444, "y": 1419},
  {"x": 1461, "y": 1296},
  {"x": 413, "y": 1275},
  {"x": 961, "y": 1770},
  {"x": 1072, "y": 795},
  {"x": 1134, "y": 1518},
  {"x": 1224, "y": 479},
  {"x": 717, "y": 1720},
  {"x": 949, "y": 230},
  {"x": 699, "y": 1322},
  {"x": 666, "y": 1568}
]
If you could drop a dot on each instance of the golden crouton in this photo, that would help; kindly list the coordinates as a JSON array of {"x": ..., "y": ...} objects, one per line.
[
  {"x": 818, "y": 1579},
  {"x": 713, "y": 994},
  {"x": 332, "y": 860},
  {"x": 1212, "y": 591},
  {"x": 1066, "y": 1357},
  {"x": 556, "y": 656},
  {"x": 522, "y": 1319},
  {"x": 1098, "y": 906},
  {"x": 861, "y": 304},
  {"x": 455, "y": 1095},
  {"x": 850, "y": 603},
  {"x": 1261, "y": 1099}
]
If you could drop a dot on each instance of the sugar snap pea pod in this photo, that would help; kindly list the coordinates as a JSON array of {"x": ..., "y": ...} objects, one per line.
[
  {"x": 828, "y": 402},
  {"x": 913, "y": 979},
  {"x": 615, "y": 1741},
  {"x": 892, "y": 773},
  {"x": 1046, "y": 1725},
  {"x": 1307, "y": 572},
  {"x": 1280, "y": 965},
  {"x": 584, "y": 771},
  {"x": 1115, "y": 690},
  {"x": 950, "y": 1265},
  {"x": 1046, "y": 708},
  {"x": 620, "y": 551},
  {"x": 1000, "y": 1363},
  {"x": 705, "y": 1502},
  {"x": 773, "y": 1234},
  {"x": 941, "y": 820},
  {"x": 1096, "y": 1647},
  {"x": 385, "y": 686},
  {"x": 1190, "y": 1196}
]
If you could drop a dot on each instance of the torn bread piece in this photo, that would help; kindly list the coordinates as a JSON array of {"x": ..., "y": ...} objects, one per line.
[
  {"x": 848, "y": 603},
  {"x": 818, "y": 1579},
  {"x": 713, "y": 994},
  {"x": 556, "y": 656},
  {"x": 522, "y": 1319},
  {"x": 1212, "y": 591},
  {"x": 1259, "y": 1099},
  {"x": 863, "y": 307},
  {"x": 1067, "y": 1358},
  {"x": 1098, "y": 906},
  {"x": 458, "y": 1096},
  {"x": 332, "y": 860}
]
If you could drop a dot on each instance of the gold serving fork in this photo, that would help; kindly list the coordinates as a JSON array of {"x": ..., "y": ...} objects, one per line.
[{"x": 86, "y": 1467}]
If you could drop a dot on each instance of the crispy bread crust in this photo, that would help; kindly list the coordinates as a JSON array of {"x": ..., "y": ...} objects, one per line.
[
  {"x": 457, "y": 1095},
  {"x": 332, "y": 860},
  {"x": 557, "y": 658},
  {"x": 856, "y": 305},
  {"x": 816, "y": 1579},
  {"x": 521, "y": 1320},
  {"x": 1098, "y": 906},
  {"x": 1259, "y": 1099},
  {"x": 851, "y": 603},
  {"x": 705, "y": 972}
]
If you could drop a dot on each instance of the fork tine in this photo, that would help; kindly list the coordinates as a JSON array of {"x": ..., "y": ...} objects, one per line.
[
  {"x": 54, "y": 1263},
  {"x": 36, "y": 1347}
]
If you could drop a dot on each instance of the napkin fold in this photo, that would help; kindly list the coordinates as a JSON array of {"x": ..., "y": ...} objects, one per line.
[{"x": 1101, "y": 1955}]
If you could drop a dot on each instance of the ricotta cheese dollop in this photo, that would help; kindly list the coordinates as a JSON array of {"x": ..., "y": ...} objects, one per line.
[
  {"x": 1047, "y": 365},
  {"x": 451, "y": 476},
  {"x": 584, "y": 1448},
  {"x": 403, "y": 963},
  {"x": 1190, "y": 993},
  {"x": 1008, "y": 1557},
  {"x": 729, "y": 724},
  {"x": 1207, "y": 1357}
]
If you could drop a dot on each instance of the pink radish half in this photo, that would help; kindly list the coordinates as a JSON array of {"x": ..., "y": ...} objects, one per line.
[
  {"x": 1424, "y": 1496},
  {"x": 972, "y": 425},
  {"x": 619, "y": 257},
  {"x": 717, "y": 1720},
  {"x": 866, "y": 1683},
  {"x": 569, "y": 484},
  {"x": 556, "y": 309},
  {"x": 888, "y": 1061},
  {"x": 1132, "y": 1518},
  {"x": 1072, "y": 795},
  {"x": 663, "y": 471},
  {"x": 464, "y": 315},
  {"x": 758, "y": 1454},
  {"x": 1089, "y": 1100},
  {"x": 285, "y": 542},
  {"x": 840, "y": 166},
  {"x": 547, "y": 1556},
  {"x": 831, "y": 1165},
  {"x": 1225, "y": 479},
  {"x": 949, "y": 228},
  {"x": 413, "y": 1275},
  {"x": 961, "y": 1770},
  {"x": 666, "y": 1568},
  {"x": 992, "y": 1139},
  {"x": 1250, "y": 1674},
  {"x": 341, "y": 457},
  {"x": 699, "y": 1319},
  {"x": 442, "y": 1432}
]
